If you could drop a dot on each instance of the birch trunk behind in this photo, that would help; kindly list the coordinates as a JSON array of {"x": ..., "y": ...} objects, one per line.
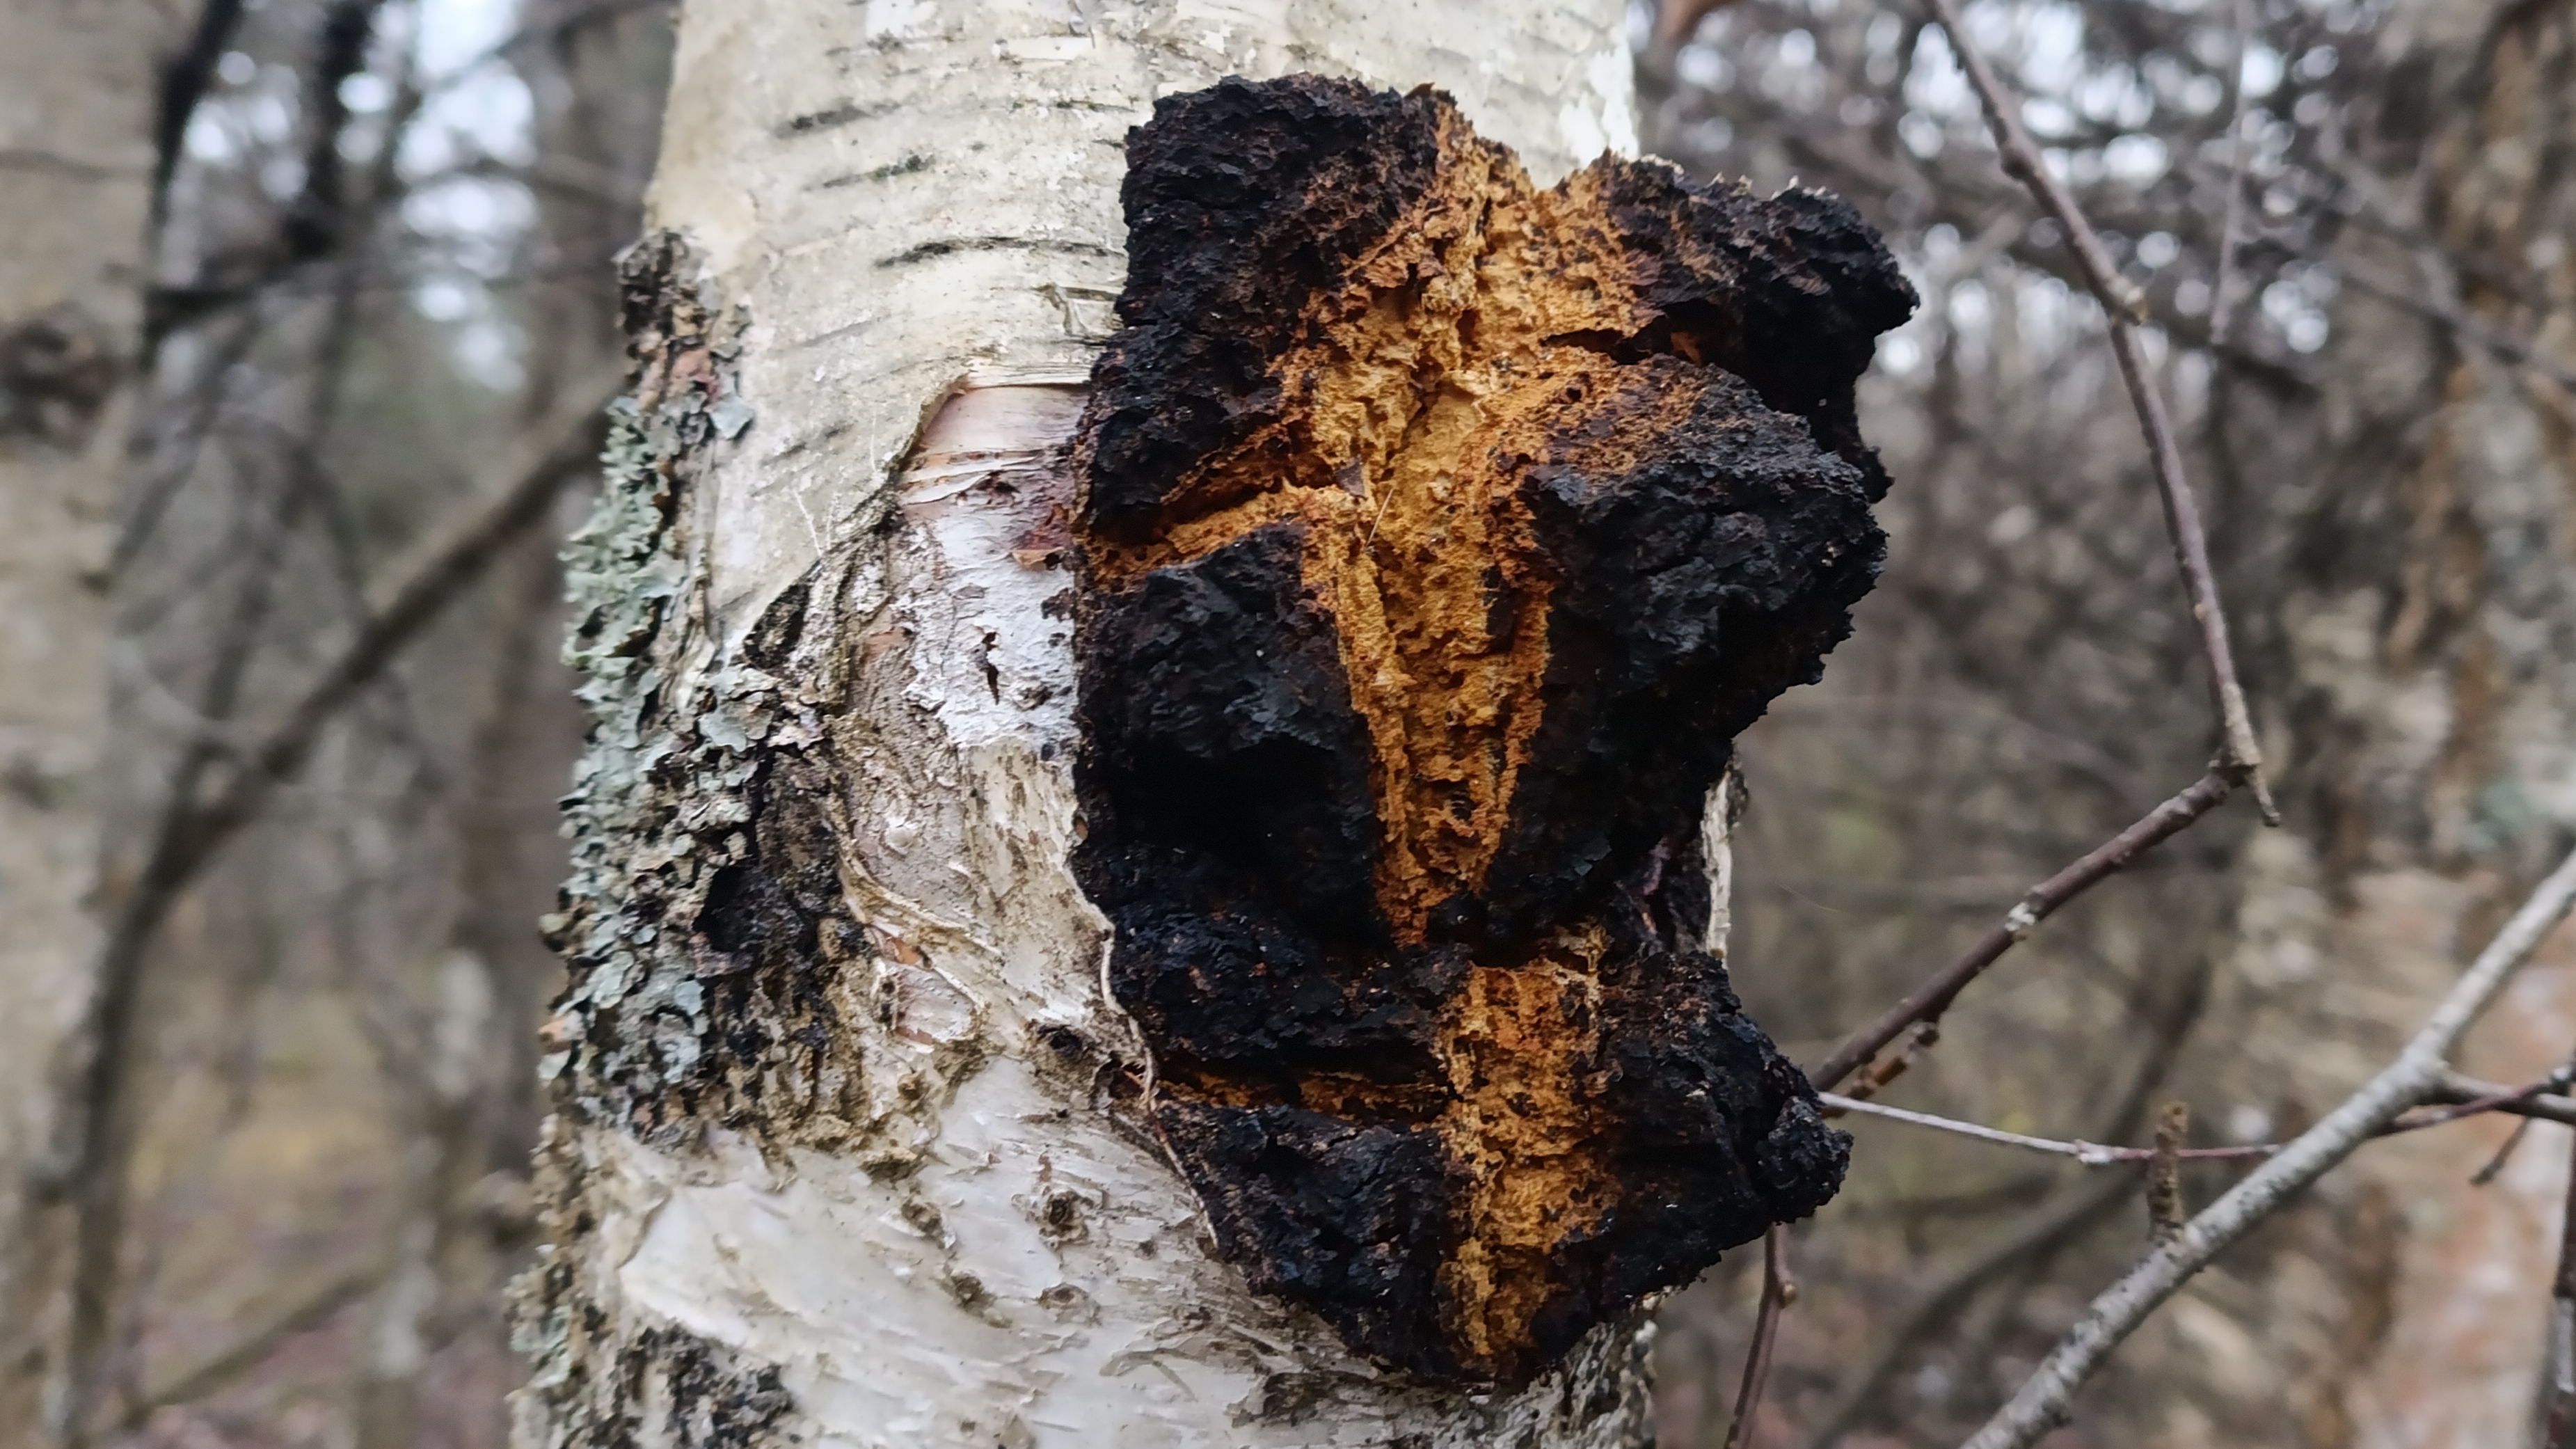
[
  {"x": 2426, "y": 702},
  {"x": 842, "y": 1164},
  {"x": 76, "y": 166}
]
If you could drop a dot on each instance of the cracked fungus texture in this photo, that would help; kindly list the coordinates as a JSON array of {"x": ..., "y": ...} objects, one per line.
[{"x": 1438, "y": 535}]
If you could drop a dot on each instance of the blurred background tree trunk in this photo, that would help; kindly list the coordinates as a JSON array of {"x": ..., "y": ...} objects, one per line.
[
  {"x": 78, "y": 80},
  {"x": 2383, "y": 432},
  {"x": 2412, "y": 532},
  {"x": 471, "y": 1110},
  {"x": 371, "y": 318}
]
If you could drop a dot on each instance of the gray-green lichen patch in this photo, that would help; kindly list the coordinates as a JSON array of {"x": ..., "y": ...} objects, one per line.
[
  {"x": 776, "y": 852},
  {"x": 661, "y": 1386},
  {"x": 701, "y": 924},
  {"x": 698, "y": 922}
]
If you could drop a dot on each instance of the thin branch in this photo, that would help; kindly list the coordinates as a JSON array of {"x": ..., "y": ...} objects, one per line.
[
  {"x": 1778, "y": 1292},
  {"x": 441, "y": 569},
  {"x": 2042, "y": 1402},
  {"x": 2495, "y": 1165},
  {"x": 211, "y": 1375},
  {"x": 2231, "y": 232},
  {"x": 1928, "y": 1001},
  {"x": 2542, "y": 1100},
  {"x": 2437, "y": 297},
  {"x": 1951, "y": 1286},
  {"x": 206, "y": 814},
  {"x": 2091, "y": 1154},
  {"x": 153, "y": 496},
  {"x": 99, "y": 1130},
  {"x": 2527, "y": 1102},
  {"x": 2125, "y": 306},
  {"x": 2513, "y": 347},
  {"x": 185, "y": 77},
  {"x": 2020, "y": 1255}
]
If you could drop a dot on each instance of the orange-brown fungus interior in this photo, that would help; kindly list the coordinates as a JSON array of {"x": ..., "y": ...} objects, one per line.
[
  {"x": 1436, "y": 539},
  {"x": 1512, "y": 1049},
  {"x": 1419, "y": 392},
  {"x": 1408, "y": 394}
]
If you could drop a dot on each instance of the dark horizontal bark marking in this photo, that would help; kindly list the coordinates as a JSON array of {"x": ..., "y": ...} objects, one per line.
[
  {"x": 952, "y": 246},
  {"x": 826, "y": 120},
  {"x": 908, "y": 166}
]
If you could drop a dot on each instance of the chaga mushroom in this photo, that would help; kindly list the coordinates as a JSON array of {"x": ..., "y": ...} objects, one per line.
[{"x": 1437, "y": 535}]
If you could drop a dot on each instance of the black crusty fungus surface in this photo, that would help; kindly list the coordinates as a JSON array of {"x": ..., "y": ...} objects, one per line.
[{"x": 1438, "y": 535}]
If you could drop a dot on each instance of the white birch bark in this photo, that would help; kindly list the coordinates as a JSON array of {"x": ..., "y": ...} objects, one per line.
[
  {"x": 75, "y": 181},
  {"x": 821, "y": 620}
]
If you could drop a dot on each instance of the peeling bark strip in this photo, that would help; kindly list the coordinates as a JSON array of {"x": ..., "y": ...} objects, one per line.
[{"x": 1438, "y": 535}]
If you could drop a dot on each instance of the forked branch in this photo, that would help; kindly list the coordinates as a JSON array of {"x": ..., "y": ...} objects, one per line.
[
  {"x": 1778, "y": 1292},
  {"x": 2415, "y": 1076},
  {"x": 2240, "y": 758},
  {"x": 1927, "y": 1002},
  {"x": 2457, "y": 1104}
]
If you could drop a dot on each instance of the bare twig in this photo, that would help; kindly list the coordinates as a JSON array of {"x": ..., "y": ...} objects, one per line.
[
  {"x": 310, "y": 1310},
  {"x": 2041, "y": 1402},
  {"x": 2515, "y": 348},
  {"x": 206, "y": 815},
  {"x": 100, "y": 1129},
  {"x": 2231, "y": 232},
  {"x": 185, "y": 77},
  {"x": 2535, "y": 1101},
  {"x": 2495, "y": 1165},
  {"x": 2562, "y": 1323},
  {"x": 437, "y": 573},
  {"x": 2091, "y": 1154},
  {"x": 1778, "y": 1292},
  {"x": 1928, "y": 1001},
  {"x": 2088, "y": 1153},
  {"x": 2125, "y": 306},
  {"x": 1952, "y": 1285},
  {"x": 2018, "y": 1255},
  {"x": 2456, "y": 1097},
  {"x": 2542, "y": 1100}
]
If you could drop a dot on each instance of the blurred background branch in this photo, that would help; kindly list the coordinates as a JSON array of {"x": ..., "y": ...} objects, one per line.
[{"x": 378, "y": 330}]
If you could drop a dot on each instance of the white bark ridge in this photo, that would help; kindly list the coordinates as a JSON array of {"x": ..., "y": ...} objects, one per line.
[{"x": 843, "y": 1151}]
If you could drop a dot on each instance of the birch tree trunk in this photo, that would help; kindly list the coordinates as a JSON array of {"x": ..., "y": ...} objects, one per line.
[
  {"x": 2425, "y": 703},
  {"x": 76, "y": 168},
  {"x": 852, "y": 1145}
]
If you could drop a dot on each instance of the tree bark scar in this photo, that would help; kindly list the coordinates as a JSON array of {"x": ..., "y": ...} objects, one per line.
[{"x": 1437, "y": 535}]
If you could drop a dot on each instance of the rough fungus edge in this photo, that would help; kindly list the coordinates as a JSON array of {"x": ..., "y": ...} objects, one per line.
[{"x": 1437, "y": 535}]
